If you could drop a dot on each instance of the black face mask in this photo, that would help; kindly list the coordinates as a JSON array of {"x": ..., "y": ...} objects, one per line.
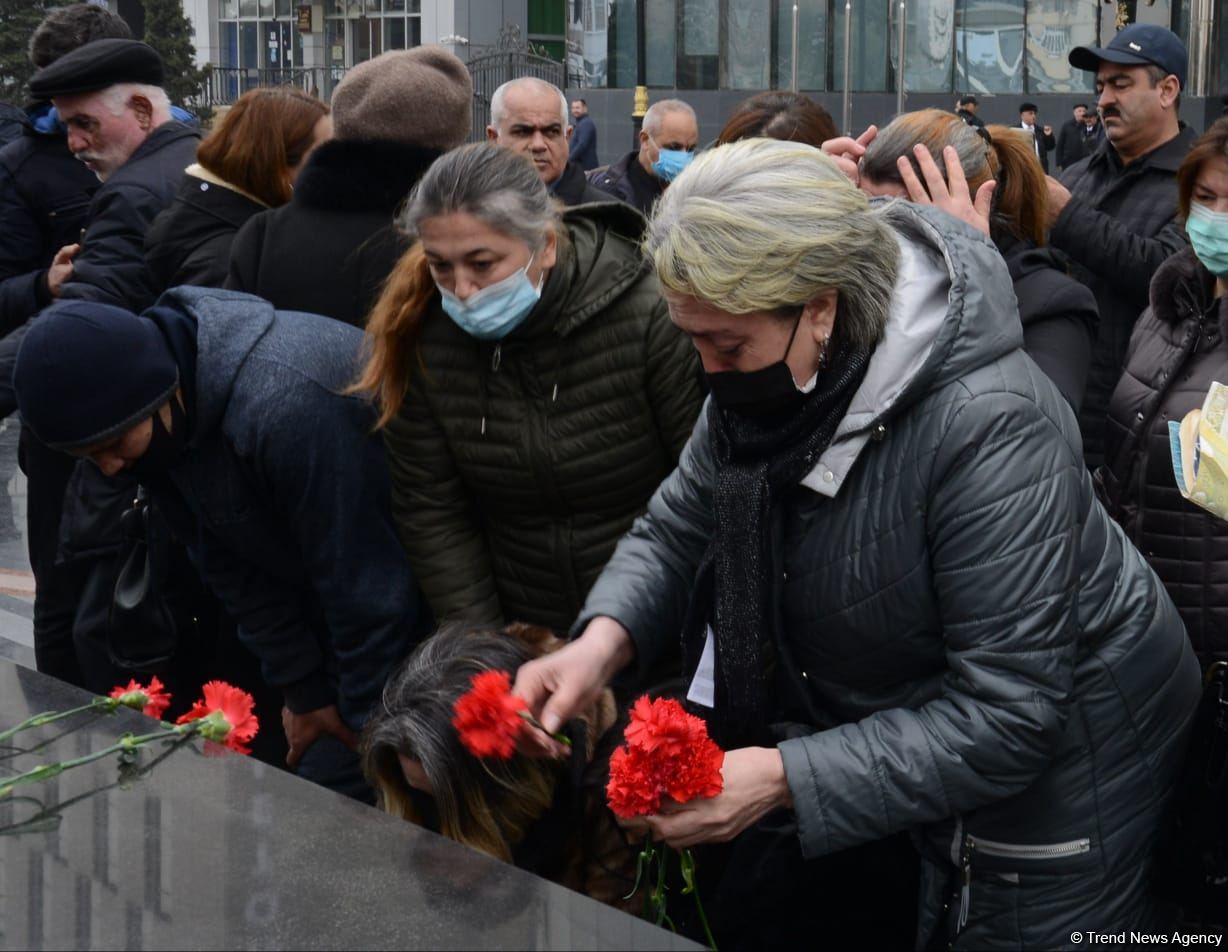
[
  {"x": 166, "y": 447},
  {"x": 769, "y": 391}
]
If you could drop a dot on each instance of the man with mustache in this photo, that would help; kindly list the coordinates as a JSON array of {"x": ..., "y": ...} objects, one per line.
[{"x": 1114, "y": 213}]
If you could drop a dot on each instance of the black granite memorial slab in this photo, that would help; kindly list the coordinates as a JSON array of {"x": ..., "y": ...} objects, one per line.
[{"x": 223, "y": 852}]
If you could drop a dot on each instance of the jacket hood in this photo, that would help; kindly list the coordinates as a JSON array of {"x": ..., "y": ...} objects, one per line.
[
  {"x": 349, "y": 175},
  {"x": 605, "y": 260},
  {"x": 235, "y": 323},
  {"x": 953, "y": 310},
  {"x": 1182, "y": 286}
]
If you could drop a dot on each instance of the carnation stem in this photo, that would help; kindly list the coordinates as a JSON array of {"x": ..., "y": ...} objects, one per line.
[
  {"x": 50, "y": 717},
  {"x": 688, "y": 877},
  {"x": 534, "y": 722},
  {"x": 658, "y": 894},
  {"x": 127, "y": 742}
]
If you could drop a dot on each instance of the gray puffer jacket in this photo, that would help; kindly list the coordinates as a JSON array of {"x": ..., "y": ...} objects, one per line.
[{"x": 984, "y": 658}]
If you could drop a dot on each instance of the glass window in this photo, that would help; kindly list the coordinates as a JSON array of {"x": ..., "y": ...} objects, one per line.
[
  {"x": 748, "y": 44},
  {"x": 698, "y": 60},
  {"x": 229, "y": 9},
  {"x": 334, "y": 41},
  {"x": 1054, "y": 28},
  {"x": 394, "y": 6},
  {"x": 661, "y": 41},
  {"x": 929, "y": 55},
  {"x": 249, "y": 46},
  {"x": 266, "y": 8},
  {"x": 811, "y": 44},
  {"x": 989, "y": 46},
  {"x": 394, "y": 33},
  {"x": 285, "y": 8},
  {"x": 373, "y": 6},
  {"x": 228, "y": 37},
  {"x": 589, "y": 41},
  {"x": 415, "y": 31},
  {"x": 868, "y": 48},
  {"x": 247, "y": 8},
  {"x": 621, "y": 44}
]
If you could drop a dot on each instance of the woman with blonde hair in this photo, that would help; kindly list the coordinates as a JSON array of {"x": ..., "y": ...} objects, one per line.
[
  {"x": 1058, "y": 314},
  {"x": 532, "y": 390},
  {"x": 901, "y": 606},
  {"x": 247, "y": 164}
]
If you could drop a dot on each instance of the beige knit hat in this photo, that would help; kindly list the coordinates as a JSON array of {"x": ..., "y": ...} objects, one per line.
[{"x": 421, "y": 97}]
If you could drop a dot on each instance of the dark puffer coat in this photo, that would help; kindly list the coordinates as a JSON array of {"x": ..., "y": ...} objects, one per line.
[
  {"x": 1118, "y": 228},
  {"x": 517, "y": 465},
  {"x": 986, "y": 659},
  {"x": 110, "y": 267},
  {"x": 190, "y": 241},
  {"x": 1179, "y": 347},
  {"x": 330, "y": 248}
]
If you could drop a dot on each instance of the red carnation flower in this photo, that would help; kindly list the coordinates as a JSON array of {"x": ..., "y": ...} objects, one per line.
[
  {"x": 668, "y": 752},
  {"x": 488, "y": 716},
  {"x": 152, "y": 701},
  {"x": 226, "y": 716}
]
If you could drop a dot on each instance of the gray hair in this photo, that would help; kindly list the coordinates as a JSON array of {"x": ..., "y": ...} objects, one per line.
[
  {"x": 930, "y": 128},
  {"x": 495, "y": 185},
  {"x": 764, "y": 225},
  {"x": 657, "y": 111},
  {"x": 498, "y": 109},
  {"x": 115, "y": 99}
]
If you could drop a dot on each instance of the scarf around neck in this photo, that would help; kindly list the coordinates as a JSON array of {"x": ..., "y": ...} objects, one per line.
[{"x": 758, "y": 462}]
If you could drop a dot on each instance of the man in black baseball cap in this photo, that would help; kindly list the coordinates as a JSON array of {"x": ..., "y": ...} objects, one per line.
[
  {"x": 1115, "y": 214},
  {"x": 966, "y": 109}
]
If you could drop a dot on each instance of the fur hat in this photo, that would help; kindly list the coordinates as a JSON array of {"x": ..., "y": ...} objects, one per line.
[{"x": 421, "y": 97}]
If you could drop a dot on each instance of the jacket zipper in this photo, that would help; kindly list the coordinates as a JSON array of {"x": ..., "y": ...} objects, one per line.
[{"x": 1020, "y": 851}]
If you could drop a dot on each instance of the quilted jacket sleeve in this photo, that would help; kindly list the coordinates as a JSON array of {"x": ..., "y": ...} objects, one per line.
[
  {"x": 1114, "y": 249},
  {"x": 647, "y": 583},
  {"x": 673, "y": 381},
  {"x": 110, "y": 267},
  {"x": 1006, "y": 500},
  {"x": 435, "y": 517}
]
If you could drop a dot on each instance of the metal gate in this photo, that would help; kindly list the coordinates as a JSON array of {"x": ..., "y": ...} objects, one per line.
[{"x": 510, "y": 58}]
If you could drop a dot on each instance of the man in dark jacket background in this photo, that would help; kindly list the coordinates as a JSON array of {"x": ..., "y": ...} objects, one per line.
[
  {"x": 1042, "y": 136},
  {"x": 583, "y": 146},
  {"x": 235, "y": 419},
  {"x": 529, "y": 116},
  {"x": 1114, "y": 215},
  {"x": 330, "y": 248},
  {"x": 668, "y": 140},
  {"x": 1070, "y": 139},
  {"x": 966, "y": 109}
]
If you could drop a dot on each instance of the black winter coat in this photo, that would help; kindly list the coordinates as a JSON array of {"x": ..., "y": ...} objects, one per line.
[
  {"x": 1179, "y": 347},
  {"x": 627, "y": 181},
  {"x": 44, "y": 196},
  {"x": 1058, "y": 314},
  {"x": 110, "y": 266},
  {"x": 189, "y": 242},
  {"x": 1070, "y": 144},
  {"x": 1118, "y": 228},
  {"x": 329, "y": 250},
  {"x": 574, "y": 188},
  {"x": 980, "y": 656}
]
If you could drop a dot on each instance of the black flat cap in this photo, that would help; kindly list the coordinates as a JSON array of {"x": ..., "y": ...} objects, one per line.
[{"x": 98, "y": 65}]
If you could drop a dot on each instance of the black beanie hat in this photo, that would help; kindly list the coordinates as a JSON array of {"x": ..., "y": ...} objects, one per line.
[{"x": 87, "y": 372}]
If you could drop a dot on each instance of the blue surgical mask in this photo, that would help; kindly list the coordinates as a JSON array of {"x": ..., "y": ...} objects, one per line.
[
  {"x": 1208, "y": 233},
  {"x": 497, "y": 309},
  {"x": 671, "y": 162}
]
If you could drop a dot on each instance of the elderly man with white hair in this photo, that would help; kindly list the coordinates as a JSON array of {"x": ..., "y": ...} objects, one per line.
[
  {"x": 530, "y": 116},
  {"x": 668, "y": 139},
  {"x": 109, "y": 96}
]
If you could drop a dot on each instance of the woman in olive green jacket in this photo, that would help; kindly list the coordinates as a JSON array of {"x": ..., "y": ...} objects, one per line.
[{"x": 533, "y": 390}]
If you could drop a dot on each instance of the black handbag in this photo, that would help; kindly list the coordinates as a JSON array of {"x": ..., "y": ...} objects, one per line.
[
  {"x": 1191, "y": 864},
  {"x": 144, "y": 631}
]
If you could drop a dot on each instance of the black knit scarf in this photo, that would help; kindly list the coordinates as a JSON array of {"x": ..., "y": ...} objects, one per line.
[{"x": 758, "y": 462}]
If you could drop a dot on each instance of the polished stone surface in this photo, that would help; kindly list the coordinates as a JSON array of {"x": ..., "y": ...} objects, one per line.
[{"x": 224, "y": 852}]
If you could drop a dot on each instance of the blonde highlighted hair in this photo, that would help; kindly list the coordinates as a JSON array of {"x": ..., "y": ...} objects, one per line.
[{"x": 764, "y": 225}]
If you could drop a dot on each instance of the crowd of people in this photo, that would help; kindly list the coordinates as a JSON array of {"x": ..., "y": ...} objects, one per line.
[{"x": 859, "y": 447}]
